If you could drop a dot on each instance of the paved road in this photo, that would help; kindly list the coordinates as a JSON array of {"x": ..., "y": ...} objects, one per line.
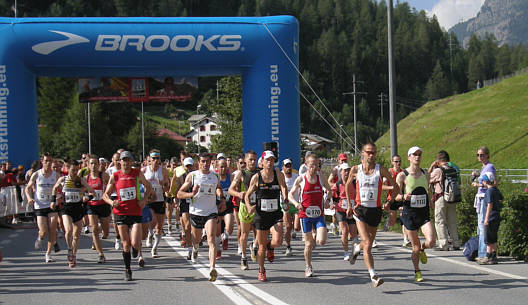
[{"x": 170, "y": 279}]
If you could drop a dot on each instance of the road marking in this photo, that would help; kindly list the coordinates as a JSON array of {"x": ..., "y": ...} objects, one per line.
[
  {"x": 228, "y": 278},
  {"x": 449, "y": 260}
]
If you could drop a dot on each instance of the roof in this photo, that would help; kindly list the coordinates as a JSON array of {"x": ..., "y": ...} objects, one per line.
[
  {"x": 315, "y": 138},
  {"x": 196, "y": 117},
  {"x": 169, "y": 134}
]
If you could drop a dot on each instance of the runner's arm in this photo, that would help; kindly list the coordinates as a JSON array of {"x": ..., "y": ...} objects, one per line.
[
  {"x": 148, "y": 190},
  {"x": 393, "y": 185},
  {"x": 295, "y": 189},
  {"x": 284, "y": 189},
  {"x": 220, "y": 194},
  {"x": 182, "y": 193},
  {"x": 252, "y": 188},
  {"x": 400, "y": 181},
  {"x": 29, "y": 188},
  {"x": 349, "y": 197},
  {"x": 233, "y": 188},
  {"x": 110, "y": 188}
]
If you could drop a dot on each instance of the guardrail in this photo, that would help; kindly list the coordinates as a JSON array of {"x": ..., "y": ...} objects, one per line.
[
  {"x": 9, "y": 203},
  {"x": 513, "y": 175}
]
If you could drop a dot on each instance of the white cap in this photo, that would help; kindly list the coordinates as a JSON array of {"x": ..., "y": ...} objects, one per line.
[
  {"x": 413, "y": 149},
  {"x": 188, "y": 161},
  {"x": 267, "y": 154},
  {"x": 344, "y": 166},
  {"x": 286, "y": 161},
  {"x": 220, "y": 156}
]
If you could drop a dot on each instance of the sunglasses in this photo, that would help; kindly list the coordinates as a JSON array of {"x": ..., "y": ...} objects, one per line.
[
  {"x": 370, "y": 152},
  {"x": 155, "y": 158},
  {"x": 288, "y": 165},
  {"x": 399, "y": 161},
  {"x": 241, "y": 163},
  {"x": 481, "y": 155}
]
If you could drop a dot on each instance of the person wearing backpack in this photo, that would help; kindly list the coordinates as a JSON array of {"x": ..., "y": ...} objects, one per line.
[{"x": 446, "y": 193}]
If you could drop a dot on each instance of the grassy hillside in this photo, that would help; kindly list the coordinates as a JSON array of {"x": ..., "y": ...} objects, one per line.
[{"x": 495, "y": 116}]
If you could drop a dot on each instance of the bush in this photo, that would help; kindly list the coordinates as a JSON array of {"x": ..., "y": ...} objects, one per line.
[{"x": 466, "y": 214}]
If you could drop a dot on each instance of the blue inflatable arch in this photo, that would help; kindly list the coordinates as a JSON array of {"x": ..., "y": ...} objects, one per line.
[{"x": 262, "y": 50}]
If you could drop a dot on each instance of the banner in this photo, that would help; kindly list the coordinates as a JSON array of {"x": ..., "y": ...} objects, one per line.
[{"x": 122, "y": 89}]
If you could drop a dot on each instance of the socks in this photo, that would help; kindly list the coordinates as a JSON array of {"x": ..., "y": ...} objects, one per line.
[
  {"x": 126, "y": 259},
  {"x": 371, "y": 272},
  {"x": 157, "y": 239}
]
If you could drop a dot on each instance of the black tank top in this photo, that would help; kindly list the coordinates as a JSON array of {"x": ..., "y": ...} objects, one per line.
[{"x": 268, "y": 194}]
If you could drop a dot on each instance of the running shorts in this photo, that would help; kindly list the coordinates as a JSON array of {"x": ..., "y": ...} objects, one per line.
[
  {"x": 157, "y": 207},
  {"x": 308, "y": 223},
  {"x": 44, "y": 212},
  {"x": 75, "y": 210},
  {"x": 184, "y": 206},
  {"x": 414, "y": 218},
  {"x": 341, "y": 217},
  {"x": 102, "y": 210},
  {"x": 127, "y": 220},
  {"x": 264, "y": 220},
  {"x": 243, "y": 214},
  {"x": 492, "y": 232},
  {"x": 199, "y": 221},
  {"x": 370, "y": 216},
  {"x": 228, "y": 209}
]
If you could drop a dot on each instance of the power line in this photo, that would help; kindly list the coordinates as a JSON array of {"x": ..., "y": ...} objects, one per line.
[{"x": 355, "y": 116}]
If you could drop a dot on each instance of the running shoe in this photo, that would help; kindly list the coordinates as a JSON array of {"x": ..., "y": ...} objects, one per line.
[
  {"x": 486, "y": 261},
  {"x": 194, "y": 257},
  {"x": 218, "y": 254},
  {"x": 262, "y": 276},
  {"x": 271, "y": 255},
  {"x": 154, "y": 253},
  {"x": 74, "y": 261},
  {"x": 294, "y": 235},
  {"x": 308, "y": 272},
  {"x": 134, "y": 252},
  {"x": 253, "y": 250},
  {"x": 406, "y": 244},
  {"x": 418, "y": 277},
  {"x": 93, "y": 246},
  {"x": 244, "y": 263},
  {"x": 128, "y": 275},
  {"x": 346, "y": 256},
  {"x": 141, "y": 261},
  {"x": 423, "y": 257},
  {"x": 225, "y": 244},
  {"x": 374, "y": 244},
  {"x": 288, "y": 251},
  {"x": 376, "y": 281},
  {"x": 38, "y": 244},
  {"x": 70, "y": 257},
  {"x": 189, "y": 254},
  {"x": 169, "y": 231},
  {"x": 354, "y": 256},
  {"x": 56, "y": 247},
  {"x": 149, "y": 240},
  {"x": 116, "y": 244},
  {"x": 101, "y": 259},
  {"x": 49, "y": 258},
  {"x": 213, "y": 275}
]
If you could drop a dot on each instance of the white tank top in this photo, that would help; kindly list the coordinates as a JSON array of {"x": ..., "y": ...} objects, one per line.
[
  {"x": 368, "y": 187},
  {"x": 155, "y": 178},
  {"x": 43, "y": 188},
  {"x": 204, "y": 203},
  {"x": 289, "y": 184}
]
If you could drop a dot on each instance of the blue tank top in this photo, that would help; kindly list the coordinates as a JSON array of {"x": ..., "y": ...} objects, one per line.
[{"x": 226, "y": 183}]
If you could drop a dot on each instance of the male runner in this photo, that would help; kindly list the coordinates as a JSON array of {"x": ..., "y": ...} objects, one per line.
[
  {"x": 267, "y": 184},
  {"x": 203, "y": 208},
  {"x": 171, "y": 196},
  {"x": 225, "y": 217},
  {"x": 392, "y": 204},
  {"x": 115, "y": 166},
  {"x": 311, "y": 207},
  {"x": 367, "y": 209},
  {"x": 291, "y": 216},
  {"x": 177, "y": 181},
  {"x": 414, "y": 182},
  {"x": 241, "y": 165}
]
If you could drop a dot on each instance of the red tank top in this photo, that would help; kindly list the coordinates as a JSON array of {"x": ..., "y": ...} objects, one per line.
[
  {"x": 341, "y": 194},
  {"x": 311, "y": 196},
  {"x": 394, "y": 174},
  {"x": 127, "y": 193},
  {"x": 97, "y": 185}
]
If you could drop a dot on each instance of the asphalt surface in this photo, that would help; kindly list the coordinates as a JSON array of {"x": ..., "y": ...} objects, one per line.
[{"x": 171, "y": 279}]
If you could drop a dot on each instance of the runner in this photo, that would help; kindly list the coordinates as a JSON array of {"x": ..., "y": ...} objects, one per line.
[
  {"x": 393, "y": 205},
  {"x": 311, "y": 208},
  {"x": 98, "y": 210},
  {"x": 238, "y": 189},
  {"x": 335, "y": 176},
  {"x": 346, "y": 224},
  {"x": 203, "y": 208},
  {"x": 128, "y": 207},
  {"x": 73, "y": 209},
  {"x": 57, "y": 167},
  {"x": 267, "y": 184},
  {"x": 38, "y": 191},
  {"x": 176, "y": 183},
  {"x": 291, "y": 216},
  {"x": 414, "y": 182},
  {"x": 367, "y": 209},
  {"x": 115, "y": 166},
  {"x": 225, "y": 218},
  {"x": 241, "y": 165},
  {"x": 171, "y": 197},
  {"x": 158, "y": 177}
]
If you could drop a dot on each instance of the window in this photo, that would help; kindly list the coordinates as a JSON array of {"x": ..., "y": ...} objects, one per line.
[
  {"x": 202, "y": 138},
  {"x": 212, "y": 127},
  {"x": 202, "y": 128}
]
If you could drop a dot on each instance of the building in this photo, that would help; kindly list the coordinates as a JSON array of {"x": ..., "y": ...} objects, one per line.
[
  {"x": 164, "y": 132},
  {"x": 315, "y": 142},
  {"x": 202, "y": 127}
]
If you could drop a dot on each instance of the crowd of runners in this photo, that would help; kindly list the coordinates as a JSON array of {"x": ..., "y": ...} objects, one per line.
[{"x": 199, "y": 200}]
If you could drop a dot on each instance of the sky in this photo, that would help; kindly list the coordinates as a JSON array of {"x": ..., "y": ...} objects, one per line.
[{"x": 448, "y": 12}]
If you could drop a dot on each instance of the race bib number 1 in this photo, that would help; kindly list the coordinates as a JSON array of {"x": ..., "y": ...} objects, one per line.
[{"x": 269, "y": 205}]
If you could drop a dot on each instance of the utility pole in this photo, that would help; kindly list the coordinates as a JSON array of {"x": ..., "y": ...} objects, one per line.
[
  {"x": 451, "y": 45},
  {"x": 382, "y": 99},
  {"x": 392, "y": 91},
  {"x": 355, "y": 115}
]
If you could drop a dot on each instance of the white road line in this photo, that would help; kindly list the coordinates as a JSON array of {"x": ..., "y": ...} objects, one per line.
[
  {"x": 474, "y": 266},
  {"x": 228, "y": 277}
]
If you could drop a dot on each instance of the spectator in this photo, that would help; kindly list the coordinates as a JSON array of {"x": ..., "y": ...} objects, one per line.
[
  {"x": 493, "y": 200},
  {"x": 445, "y": 213},
  {"x": 487, "y": 167},
  {"x": 35, "y": 165}
]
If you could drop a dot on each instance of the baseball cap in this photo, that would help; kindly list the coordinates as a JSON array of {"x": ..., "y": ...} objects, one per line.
[
  {"x": 342, "y": 156},
  {"x": 307, "y": 154},
  {"x": 413, "y": 149},
  {"x": 488, "y": 177},
  {"x": 126, "y": 154},
  {"x": 286, "y": 161},
  {"x": 266, "y": 154},
  {"x": 154, "y": 154},
  {"x": 220, "y": 156},
  {"x": 344, "y": 166},
  {"x": 188, "y": 161}
]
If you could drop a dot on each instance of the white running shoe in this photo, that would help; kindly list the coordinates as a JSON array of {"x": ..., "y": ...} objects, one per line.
[
  {"x": 308, "y": 272},
  {"x": 374, "y": 245},
  {"x": 288, "y": 251},
  {"x": 346, "y": 256},
  {"x": 194, "y": 257},
  {"x": 101, "y": 259},
  {"x": 116, "y": 245},
  {"x": 38, "y": 244},
  {"x": 149, "y": 240},
  {"x": 49, "y": 258},
  {"x": 154, "y": 253},
  {"x": 355, "y": 253},
  {"x": 376, "y": 281}
]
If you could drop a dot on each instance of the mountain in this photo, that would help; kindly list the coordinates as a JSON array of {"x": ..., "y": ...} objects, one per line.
[
  {"x": 506, "y": 19},
  {"x": 494, "y": 116}
]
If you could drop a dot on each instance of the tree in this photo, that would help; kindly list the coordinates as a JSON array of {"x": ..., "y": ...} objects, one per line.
[{"x": 438, "y": 85}]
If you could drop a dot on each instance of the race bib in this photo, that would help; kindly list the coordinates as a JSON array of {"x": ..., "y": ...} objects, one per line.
[
  {"x": 313, "y": 211},
  {"x": 188, "y": 200},
  {"x": 344, "y": 204},
  {"x": 72, "y": 197},
  {"x": 418, "y": 201},
  {"x": 253, "y": 198},
  {"x": 44, "y": 195},
  {"x": 128, "y": 193},
  {"x": 207, "y": 190},
  {"x": 98, "y": 195},
  {"x": 369, "y": 195},
  {"x": 269, "y": 205},
  {"x": 158, "y": 190}
]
